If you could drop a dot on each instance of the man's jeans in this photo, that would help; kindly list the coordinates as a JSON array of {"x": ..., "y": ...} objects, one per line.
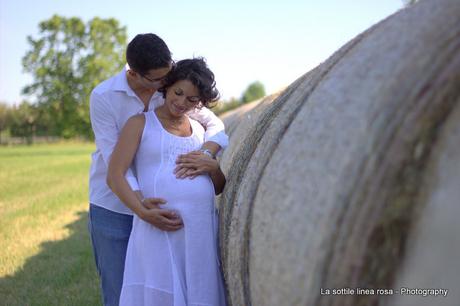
[{"x": 109, "y": 232}]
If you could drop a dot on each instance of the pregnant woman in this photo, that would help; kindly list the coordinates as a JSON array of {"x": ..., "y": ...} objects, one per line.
[{"x": 176, "y": 267}]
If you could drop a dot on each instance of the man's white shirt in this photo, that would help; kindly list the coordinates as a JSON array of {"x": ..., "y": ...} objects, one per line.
[{"x": 112, "y": 103}]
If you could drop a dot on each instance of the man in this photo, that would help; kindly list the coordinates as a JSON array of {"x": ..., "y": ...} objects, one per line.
[{"x": 112, "y": 103}]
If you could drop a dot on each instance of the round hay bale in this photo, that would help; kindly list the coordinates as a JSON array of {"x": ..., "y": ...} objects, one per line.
[{"x": 325, "y": 183}]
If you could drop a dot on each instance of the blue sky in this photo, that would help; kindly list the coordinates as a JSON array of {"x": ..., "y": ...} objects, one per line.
[{"x": 274, "y": 42}]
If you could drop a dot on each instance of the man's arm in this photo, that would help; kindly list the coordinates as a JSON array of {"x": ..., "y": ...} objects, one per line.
[
  {"x": 214, "y": 137},
  {"x": 104, "y": 124}
]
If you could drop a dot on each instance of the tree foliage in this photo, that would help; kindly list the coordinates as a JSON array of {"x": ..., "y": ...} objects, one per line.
[
  {"x": 255, "y": 90},
  {"x": 5, "y": 118},
  {"x": 225, "y": 106},
  {"x": 67, "y": 60},
  {"x": 24, "y": 120}
]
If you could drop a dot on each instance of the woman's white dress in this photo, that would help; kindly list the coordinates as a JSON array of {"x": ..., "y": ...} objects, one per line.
[{"x": 173, "y": 268}]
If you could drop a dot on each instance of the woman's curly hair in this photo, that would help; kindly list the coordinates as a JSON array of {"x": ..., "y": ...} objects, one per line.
[{"x": 197, "y": 72}]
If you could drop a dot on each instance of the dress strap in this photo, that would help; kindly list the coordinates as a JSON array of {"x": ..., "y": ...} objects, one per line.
[{"x": 151, "y": 120}]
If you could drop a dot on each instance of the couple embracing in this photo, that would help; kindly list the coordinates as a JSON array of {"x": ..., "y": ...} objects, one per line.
[{"x": 153, "y": 178}]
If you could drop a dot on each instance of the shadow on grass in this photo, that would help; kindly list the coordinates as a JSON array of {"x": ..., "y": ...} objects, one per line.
[{"x": 62, "y": 273}]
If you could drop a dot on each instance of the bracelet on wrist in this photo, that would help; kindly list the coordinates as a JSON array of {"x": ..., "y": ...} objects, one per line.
[{"x": 207, "y": 152}]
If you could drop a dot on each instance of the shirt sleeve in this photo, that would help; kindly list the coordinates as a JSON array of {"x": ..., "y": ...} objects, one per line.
[
  {"x": 104, "y": 124},
  {"x": 215, "y": 130}
]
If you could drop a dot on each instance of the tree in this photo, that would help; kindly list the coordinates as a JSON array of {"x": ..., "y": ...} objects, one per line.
[
  {"x": 5, "y": 118},
  {"x": 66, "y": 61},
  {"x": 255, "y": 90},
  {"x": 225, "y": 106},
  {"x": 24, "y": 121}
]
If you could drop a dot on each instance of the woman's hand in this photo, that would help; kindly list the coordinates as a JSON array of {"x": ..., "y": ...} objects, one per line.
[
  {"x": 164, "y": 219},
  {"x": 195, "y": 163}
]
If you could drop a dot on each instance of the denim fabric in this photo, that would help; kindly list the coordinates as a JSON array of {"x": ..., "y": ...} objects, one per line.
[{"x": 109, "y": 232}]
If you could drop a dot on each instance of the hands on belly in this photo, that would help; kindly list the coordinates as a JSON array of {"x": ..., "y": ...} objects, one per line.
[{"x": 164, "y": 219}]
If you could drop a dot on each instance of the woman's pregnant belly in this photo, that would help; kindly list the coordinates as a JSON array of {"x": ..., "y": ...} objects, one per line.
[{"x": 187, "y": 196}]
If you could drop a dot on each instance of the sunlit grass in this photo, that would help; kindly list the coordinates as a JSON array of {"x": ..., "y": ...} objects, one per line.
[{"x": 45, "y": 258}]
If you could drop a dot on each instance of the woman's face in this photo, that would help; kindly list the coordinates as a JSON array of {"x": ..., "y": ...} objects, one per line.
[{"x": 181, "y": 97}]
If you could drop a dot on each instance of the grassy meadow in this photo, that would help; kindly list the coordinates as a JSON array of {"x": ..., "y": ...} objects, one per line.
[{"x": 45, "y": 253}]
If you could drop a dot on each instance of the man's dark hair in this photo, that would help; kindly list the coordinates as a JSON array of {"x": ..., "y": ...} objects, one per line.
[
  {"x": 146, "y": 52},
  {"x": 196, "y": 71}
]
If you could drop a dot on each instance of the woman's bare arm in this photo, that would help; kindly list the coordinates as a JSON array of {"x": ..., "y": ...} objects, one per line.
[
  {"x": 120, "y": 160},
  {"x": 218, "y": 179}
]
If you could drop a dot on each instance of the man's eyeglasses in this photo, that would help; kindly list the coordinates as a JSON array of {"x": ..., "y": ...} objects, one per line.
[
  {"x": 173, "y": 64},
  {"x": 153, "y": 80}
]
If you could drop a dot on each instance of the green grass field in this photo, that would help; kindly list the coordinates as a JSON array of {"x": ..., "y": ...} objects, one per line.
[{"x": 45, "y": 253}]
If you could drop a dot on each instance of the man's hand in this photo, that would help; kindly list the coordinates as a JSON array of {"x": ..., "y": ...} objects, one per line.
[
  {"x": 164, "y": 219},
  {"x": 193, "y": 164}
]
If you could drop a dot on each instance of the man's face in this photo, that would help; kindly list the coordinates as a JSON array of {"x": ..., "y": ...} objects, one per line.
[{"x": 153, "y": 79}]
